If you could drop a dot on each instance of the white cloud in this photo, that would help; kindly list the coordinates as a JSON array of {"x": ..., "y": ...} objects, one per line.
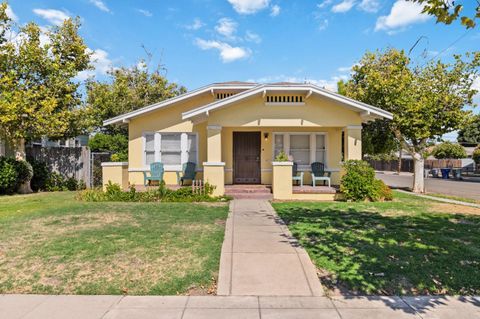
[
  {"x": 51, "y": 15},
  {"x": 11, "y": 14},
  {"x": 100, "y": 5},
  {"x": 145, "y": 12},
  {"x": 252, "y": 37},
  {"x": 369, "y": 5},
  {"x": 227, "y": 52},
  {"x": 402, "y": 14},
  {"x": 226, "y": 27},
  {"x": 330, "y": 84},
  {"x": 101, "y": 63},
  {"x": 324, "y": 3},
  {"x": 197, "y": 24},
  {"x": 275, "y": 10},
  {"x": 249, "y": 6},
  {"x": 344, "y": 69},
  {"x": 343, "y": 6}
]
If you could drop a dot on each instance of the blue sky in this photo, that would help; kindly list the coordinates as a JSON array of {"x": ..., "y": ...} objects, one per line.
[{"x": 205, "y": 41}]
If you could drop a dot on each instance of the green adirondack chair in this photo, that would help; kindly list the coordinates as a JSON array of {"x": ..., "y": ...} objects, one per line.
[
  {"x": 156, "y": 173},
  {"x": 295, "y": 176},
  {"x": 188, "y": 172},
  {"x": 318, "y": 173}
]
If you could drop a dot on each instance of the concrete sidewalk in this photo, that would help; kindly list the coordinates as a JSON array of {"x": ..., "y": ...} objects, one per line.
[
  {"x": 261, "y": 258},
  {"x": 233, "y": 307}
]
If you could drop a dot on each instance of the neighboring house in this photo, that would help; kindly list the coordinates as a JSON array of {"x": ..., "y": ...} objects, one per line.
[
  {"x": 234, "y": 130},
  {"x": 79, "y": 141}
]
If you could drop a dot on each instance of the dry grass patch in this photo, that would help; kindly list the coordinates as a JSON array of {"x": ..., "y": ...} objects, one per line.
[
  {"x": 453, "y": 209},
  {"x": 68, "y": 247}
]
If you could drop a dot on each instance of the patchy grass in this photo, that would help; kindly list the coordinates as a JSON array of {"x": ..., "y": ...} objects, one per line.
[
  {"x": 461, "y": 199},
  {"x": 50, "y": 243},
  {"x": 409, "y": 246}
]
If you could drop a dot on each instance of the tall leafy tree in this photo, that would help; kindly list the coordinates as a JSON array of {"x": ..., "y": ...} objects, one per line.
[
  {"x": 427, "y": 101},
  {"x": 447, "y": 11},
  {"x": 470, "y": 134},
  {"x": 126, "y": 89},
  {"x": 38, "y": 94}
]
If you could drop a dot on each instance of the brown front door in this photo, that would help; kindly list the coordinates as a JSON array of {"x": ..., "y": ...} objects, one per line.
[{"x": 246, "y": 157}]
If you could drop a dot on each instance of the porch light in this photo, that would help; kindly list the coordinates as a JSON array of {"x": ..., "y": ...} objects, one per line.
[{"x": 265, "y": 135}]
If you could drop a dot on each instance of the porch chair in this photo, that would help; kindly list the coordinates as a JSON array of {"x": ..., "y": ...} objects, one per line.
[
  {"x": 188, "y": 173},
  {"x": 295, "y": 173},
  {"x": 156, "y": 173},
  {"x": 318, "y": 173}
]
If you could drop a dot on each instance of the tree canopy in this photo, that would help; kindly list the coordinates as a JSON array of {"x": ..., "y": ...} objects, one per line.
[
  {"x": 447, "y": 11},
  {"x": 38, "y": 94},
  {"x": 427, "y": 101},
  {"x": 470, "y": 134},
  {"x": 449, "y": 150},
  {"x": 127, "y": 89}
]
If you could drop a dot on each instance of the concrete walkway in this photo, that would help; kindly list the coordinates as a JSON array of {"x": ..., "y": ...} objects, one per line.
[
  {"x": 261, "y": 258},
  {"x": 235, "y": 307}
]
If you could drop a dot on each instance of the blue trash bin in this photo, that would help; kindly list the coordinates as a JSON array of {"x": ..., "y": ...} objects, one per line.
[{"x": 445, "y": 172}]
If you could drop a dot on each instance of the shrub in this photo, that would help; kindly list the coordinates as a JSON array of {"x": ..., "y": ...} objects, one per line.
[
  {"x": 359, "y": 183},
  {"x": 281, "y": 157},
  {"x": 24, "y": 170},
  {"x": 113, "y": 193},
  {"x": 449, "y": 150},
  {"x": 71, "y": 184},
  {"x": 8, "y": 175},
  {"x": 55, "y": 183},
  {"x": 476, "y": 155},
  {"x": 41, "y": 174}
]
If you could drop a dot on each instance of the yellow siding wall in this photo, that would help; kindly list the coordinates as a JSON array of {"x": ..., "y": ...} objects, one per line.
[{"x": 318, "y": 115}]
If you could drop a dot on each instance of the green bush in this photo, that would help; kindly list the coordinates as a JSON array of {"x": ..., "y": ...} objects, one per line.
[
  {"x": 281, "y": 157},
  {"x": 476, "y": 155},
  {"x": 8, "y": 175},
  {"x": 114, "y": 193},
  {"x": 116, "y": 144},
  {"x": 24, "y": 170},
  {"x": 41, "y": 174},
  {"x": 359, "y": 183},
  {"x": 449, "y": 150}
]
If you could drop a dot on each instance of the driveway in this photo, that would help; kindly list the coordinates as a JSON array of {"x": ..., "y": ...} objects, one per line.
[{"x": 466, "y": 189}]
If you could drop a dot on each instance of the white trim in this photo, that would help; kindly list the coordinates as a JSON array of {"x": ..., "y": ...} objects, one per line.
[
  {"x": 354, "y": 127},
  {"x": 359, "y": 106},
  {"x": 214, "y": 127},
  {"x": 185, "y": 96},
  {"x": 111, "y": 164},
  {"x": 168, "y": 169},
  {"x": 213, "y": 163},
  {"x": 158, "y": 148},
  {"x": 285, "y": 103},
  {"x": 282, "y": 163},
  {"x": 313, "y": 142}
]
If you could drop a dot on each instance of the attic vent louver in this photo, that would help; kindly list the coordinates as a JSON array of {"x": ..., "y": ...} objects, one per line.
[
  {"x": 221, "y": 96},
  {"x": 284, "y": 99}
]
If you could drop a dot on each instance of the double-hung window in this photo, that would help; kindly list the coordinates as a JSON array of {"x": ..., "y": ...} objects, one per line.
[
  {"x": 172, "y": 149},
  {"x": 303, "y": 148}
]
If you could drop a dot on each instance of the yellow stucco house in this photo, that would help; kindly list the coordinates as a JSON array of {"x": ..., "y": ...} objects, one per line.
[{"x": 234, "y": 130}]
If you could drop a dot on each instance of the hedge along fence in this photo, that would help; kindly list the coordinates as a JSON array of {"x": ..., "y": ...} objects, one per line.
[{"x": 407, "y": 164}]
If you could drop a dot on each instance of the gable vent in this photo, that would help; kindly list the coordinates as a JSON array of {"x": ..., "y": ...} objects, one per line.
[
  {"x": 287, "y": 99},
  {"x": 221, "y": 96}
]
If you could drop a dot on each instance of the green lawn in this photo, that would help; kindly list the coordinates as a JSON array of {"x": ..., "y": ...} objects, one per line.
[
  {"x": 408, "y": 246},
  {"x": 51, "y": 243}
]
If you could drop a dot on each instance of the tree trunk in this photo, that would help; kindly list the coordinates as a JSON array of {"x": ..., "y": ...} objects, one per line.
[
  {"x": 418, "y": 179},
  {"x": 399, "y": 167},
  {"x": 20, "y": 154}
]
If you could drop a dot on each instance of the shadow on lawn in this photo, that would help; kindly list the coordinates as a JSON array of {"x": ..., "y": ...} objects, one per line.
[{"x": 370, "y": 253}]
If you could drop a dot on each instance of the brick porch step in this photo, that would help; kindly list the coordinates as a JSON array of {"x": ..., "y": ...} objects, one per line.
[{"x": 248, "y": 191}]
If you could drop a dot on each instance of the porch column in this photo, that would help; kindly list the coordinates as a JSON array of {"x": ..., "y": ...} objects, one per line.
[
  {"x": 353, "y": 142},
  {"x": 214, "y": 168}
]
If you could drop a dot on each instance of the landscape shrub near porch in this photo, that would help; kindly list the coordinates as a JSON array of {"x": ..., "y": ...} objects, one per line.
[
  {"x": 114, "y": 193},
  {"x": 359, "y": 183}
]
